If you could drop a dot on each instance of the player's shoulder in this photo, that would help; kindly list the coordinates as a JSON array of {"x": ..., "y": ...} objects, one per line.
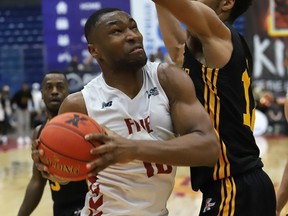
[
  {"x": 169, "y": 67},
  {"x": 174, "y": 80},
  {"x": 74, "y": 103},
  {"x": 74, "y": 96},
  {"x": 74, "y": 99},
  {"x": 168, "y": 72}
]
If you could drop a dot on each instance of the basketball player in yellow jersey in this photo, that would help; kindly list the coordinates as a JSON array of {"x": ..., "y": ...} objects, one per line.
[
  {"x": 218, "y": 60},
  {"x": 68, "y": 199},
  {"x": 282, "y": 193}
]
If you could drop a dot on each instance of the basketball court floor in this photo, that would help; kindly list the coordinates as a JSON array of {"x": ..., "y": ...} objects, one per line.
[{"x": 16, "y": 169}]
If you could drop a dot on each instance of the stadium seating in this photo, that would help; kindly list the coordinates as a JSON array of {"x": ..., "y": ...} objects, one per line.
[{"x": 21, "y": 44}]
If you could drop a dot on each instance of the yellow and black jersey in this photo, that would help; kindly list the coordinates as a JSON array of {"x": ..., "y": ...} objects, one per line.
[
  {"x": 226, "y": 94},
  {"x": 71, "y": 195}
]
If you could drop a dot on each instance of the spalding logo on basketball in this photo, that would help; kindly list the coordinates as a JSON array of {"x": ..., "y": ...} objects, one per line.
[{"x": 66, "y": 152}]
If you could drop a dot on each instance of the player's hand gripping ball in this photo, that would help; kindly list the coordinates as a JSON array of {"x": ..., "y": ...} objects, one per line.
[{"x": 66, "y": 152}]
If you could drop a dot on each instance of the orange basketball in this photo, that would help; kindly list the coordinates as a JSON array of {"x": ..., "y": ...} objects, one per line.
[{"x": 66, "y": 152}]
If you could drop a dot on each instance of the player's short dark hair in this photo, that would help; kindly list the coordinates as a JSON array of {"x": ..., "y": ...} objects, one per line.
[
  {"x": 240, "y": 6},
  {"x": 94, "y": 18},
  {"x": 55, "y": 72}
]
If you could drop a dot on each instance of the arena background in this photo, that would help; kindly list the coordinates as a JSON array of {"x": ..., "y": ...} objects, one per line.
[
  {"x": 31, "y": 43},
  {"x": 36, "y": 36}
]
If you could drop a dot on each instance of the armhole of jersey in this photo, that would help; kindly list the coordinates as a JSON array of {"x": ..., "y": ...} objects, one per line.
[
  {"x": 40, "y": 129},
  {"x": 247, "y": 51},
  {"x": 154, "y": 74},
  {"x": 85, "y": 95}
]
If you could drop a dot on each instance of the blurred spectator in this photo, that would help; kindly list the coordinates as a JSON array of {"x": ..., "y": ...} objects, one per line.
[
  {"x": 87, "y": 70},
  {"x": 74, "y": 64},
  {"x": 257, "y": 92},
  {"x": 5, "y": 113},
  {"x": 153, "y": 58},
  {"x": 159, "y": 56},
  {"x": 38, "y": 114},
  {"x": 265, "y": 99},
  {"x": 90, "y": 66},
  {"x": 22, "y": 102},
  {"x": 274, "y": 112}
]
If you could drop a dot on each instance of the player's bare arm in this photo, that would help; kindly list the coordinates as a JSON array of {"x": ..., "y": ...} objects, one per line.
[
  {"x": 203, "y": 23},
  {"x": 34, "y": 189},
  {"x": 36, "y": 174},
  {"x": 190, "y": 119},
  {"x": 174, "y": 35},
  {"x": 282, "y": 195}
]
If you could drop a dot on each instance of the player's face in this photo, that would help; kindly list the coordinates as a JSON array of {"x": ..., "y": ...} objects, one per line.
[
  {"x": 54, "y": 91},
  {"x": 118, "y": 42}
]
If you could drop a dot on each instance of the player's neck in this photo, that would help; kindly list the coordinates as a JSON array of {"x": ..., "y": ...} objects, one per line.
[
  {"x": 51, "y": 115},
  {"x": 128, "y": 83}
]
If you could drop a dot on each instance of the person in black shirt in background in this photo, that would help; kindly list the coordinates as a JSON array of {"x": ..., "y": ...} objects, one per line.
[
  {"x": 5, "y": 113},
  {"x": 68, "y": 199},
  {"x": 22, "y": 102}
]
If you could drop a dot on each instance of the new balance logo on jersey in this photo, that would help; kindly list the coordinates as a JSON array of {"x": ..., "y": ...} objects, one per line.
[
  {"x": 108, "y": 104},
  {"x": 152, "y": 92},
  {"x": 208, "y": 205}
]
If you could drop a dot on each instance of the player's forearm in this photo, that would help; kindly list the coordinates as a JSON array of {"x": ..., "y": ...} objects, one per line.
[
  {"x": 174, "y": 36},
  {"x": 28, "y": 206},
  {"x": 185, "y": 11},
  {"x": 282, "y": 198},
  {"x": 282, "y": 193},
  {"x": 196, "y": 149},
  {"x": 31, "y": 200},
  {"x": 199, "y": 19}
]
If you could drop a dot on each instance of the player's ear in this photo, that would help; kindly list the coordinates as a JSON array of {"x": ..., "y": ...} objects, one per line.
[
  {"x": 228, "y": 5},
  {"x": 93, "y": 51}
]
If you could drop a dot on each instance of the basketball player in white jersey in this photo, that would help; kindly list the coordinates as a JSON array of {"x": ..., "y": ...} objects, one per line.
[{"x": 156, "y": 119}]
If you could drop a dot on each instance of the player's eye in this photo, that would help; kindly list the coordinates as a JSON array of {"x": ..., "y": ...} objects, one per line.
[
  {"x": 48, "y": 87},
  {"x": 60, "y": 87},
  {"x": 116, "y": 31}
]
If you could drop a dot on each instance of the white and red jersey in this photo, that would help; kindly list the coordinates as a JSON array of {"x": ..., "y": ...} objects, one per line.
[{"x": 135, "y": 188}]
